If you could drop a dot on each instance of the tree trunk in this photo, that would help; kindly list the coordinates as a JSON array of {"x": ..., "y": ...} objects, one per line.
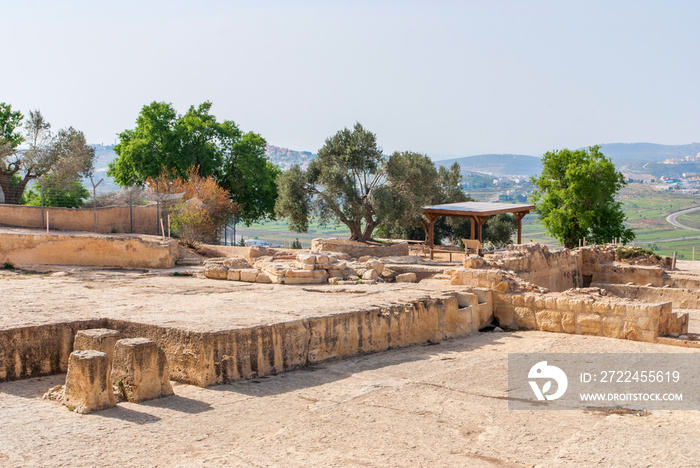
[
  {"x": 355, "y": 232},
  {"x": 13, "y": 195}
]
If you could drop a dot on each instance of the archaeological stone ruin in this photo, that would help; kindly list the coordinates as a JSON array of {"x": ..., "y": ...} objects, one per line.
[{"x": 349, "y": 302}]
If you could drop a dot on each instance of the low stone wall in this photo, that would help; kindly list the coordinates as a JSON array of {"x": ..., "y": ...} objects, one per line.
[
  {"x": 519, "y": 304},
  {"x": 680, "y": 297},
  {"x": 556, "y": 271},
  {"x": 208, "y": 358},
  {"x": 637, "y": 321},
  {"x": 618, "y": 273},
  {"x": 109, "y": 219},
  {"x": 40, "y": 350},
  {"x": 359, "y": 249},
  {"x": 36, "y": 248}
]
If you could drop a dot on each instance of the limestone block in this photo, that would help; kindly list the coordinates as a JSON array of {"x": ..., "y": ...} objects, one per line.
[
  {"x": 361, "y": 272},
  {"x": 320, "y": 274},
  {"x": 236, "y": 262},
  {"x": 550, "y": 302},
  {"x": 300, "y": 273},
  {"x": 322, "y": 260},
  {"x": 525, "y": 318},
  {"x": 234, "y": 275},
  {"x": 548, "y": 320},
  {"x": 215, "y": 271},
  {"x": 517, "y": 300},
  {"x": 575, "y": 305},
  {"x": 589, "y": 323},
  {"x": 630, "y": 330},
  {"x": 140, "y": 370},
  {"x": 375, "y": 265},
  {"x": 502, "y": 286},
  {"x": 602, "y": 308},
  {"x": 364, "y": 258},
  {"x": 568, "y": 323},
  {"x": 406, "y": 278},
  {"x": 473, "y": 261},
  {"x": 88, "y": 385},
  {"x": 372, "y": 275},
  {"x": 612, "y": 327},
  {"x": 263, "y": 278},
  {"x": 249, "y": 275},
  {"x": 308, "y": 259},
  {"x": 304, "y": 266},
  {"x": 334, "y": 280},
  {"x": 335, "y": 274},
  {"x": 99, "y": 339}
]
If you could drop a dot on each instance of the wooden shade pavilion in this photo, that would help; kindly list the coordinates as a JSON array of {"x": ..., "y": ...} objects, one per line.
[{"x": 478, "y": 212}]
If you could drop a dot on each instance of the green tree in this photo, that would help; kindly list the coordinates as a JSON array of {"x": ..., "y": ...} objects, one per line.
[
  {"x": 339, "y": 184},
  {"x": 63, "y": 157},
  {"x": 499, "y": 229},
  {"x": 71, "y": 195},
  {"x": 164, "y": 143},
  {"x": 575, "y": 197}
]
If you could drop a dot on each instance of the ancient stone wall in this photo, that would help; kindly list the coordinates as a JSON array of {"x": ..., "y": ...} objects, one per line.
[
  {"x": 359, "y": 249},
  {"x": 40, "y": 350},
  {"x": 680, "y": 297},
  {"x": 109, "y": 219},
  {"x": 37, "y": 248},
  {"x": 589, "y": 314},
  {"x": 207, "y": 358},
  {"x": 556, "y": 271}
]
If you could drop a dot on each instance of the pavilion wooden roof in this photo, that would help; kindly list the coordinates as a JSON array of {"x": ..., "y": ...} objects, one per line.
[{"x": 476, "y": 209}]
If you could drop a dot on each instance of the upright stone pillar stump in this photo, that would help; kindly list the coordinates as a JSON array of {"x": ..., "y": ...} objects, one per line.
[
  {"x": 140, "y": 370},
  {"x": 88, "y": 385},
  {"x": 99, "y": 339}
]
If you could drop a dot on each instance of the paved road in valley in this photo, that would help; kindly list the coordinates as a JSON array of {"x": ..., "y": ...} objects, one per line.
[{"x": 672, "y": 218}]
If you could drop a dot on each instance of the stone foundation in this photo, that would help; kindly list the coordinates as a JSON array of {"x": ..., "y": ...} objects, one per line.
[
  {"x": 39, "y": 248},
  {"x": 207, "y": 358},
  {"x": 360, "y": 249}
]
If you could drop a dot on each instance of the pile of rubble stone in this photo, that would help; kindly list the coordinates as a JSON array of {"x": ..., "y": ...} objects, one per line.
[{"x": 305, "y": 268}]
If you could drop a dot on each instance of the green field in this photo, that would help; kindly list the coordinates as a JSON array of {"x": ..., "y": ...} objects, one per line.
[{"x": 645, "y": 207}]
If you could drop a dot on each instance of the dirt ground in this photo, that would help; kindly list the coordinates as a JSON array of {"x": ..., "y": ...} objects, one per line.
[{"x": 439, "y": 405}]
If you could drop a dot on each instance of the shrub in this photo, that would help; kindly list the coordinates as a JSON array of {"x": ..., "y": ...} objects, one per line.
[{"x": 205, "y": 208}]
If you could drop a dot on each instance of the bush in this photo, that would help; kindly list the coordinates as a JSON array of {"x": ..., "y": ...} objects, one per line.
[
  {"x": 634, "y": 252},
  {"x": 296, "y": 244},
  {"x": 204, "y": 210}
]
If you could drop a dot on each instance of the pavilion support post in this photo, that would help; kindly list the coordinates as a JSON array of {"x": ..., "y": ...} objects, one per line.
[
  {"x": 519, "y": 217},
  {"x": 472, "y": 228},
  {"x": 431, "y": 230},
  {"x": 480, "y": 221}
]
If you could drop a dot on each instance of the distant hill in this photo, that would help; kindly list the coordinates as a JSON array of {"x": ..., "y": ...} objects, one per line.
[
  {"x": 286, "y": 158},
  {"x": 625, "y": 153},
  {"x": 497, "y": 164}
]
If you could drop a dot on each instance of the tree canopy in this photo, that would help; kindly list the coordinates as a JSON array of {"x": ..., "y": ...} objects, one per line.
[
  {"x": 63, "y": 157},
  {"x": 352, "y": 182},
  {"x": 575, "y": 197},
  {"x": 164, "y": 143},
  {"x": 339, "y": 183}
]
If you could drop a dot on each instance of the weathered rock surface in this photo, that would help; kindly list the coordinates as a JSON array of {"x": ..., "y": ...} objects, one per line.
[
  {"x": 88, "y": 386},
  {"x": 140, "y": 370},
  {"x": 99, "y": 339}
]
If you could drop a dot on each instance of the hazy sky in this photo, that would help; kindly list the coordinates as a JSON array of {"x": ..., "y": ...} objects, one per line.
[{"x": 443, "y": 78}]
